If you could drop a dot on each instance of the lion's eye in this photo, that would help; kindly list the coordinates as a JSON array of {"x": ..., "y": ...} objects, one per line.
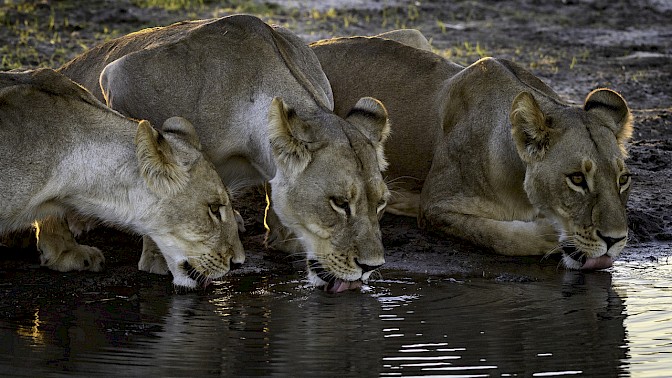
[
  {"x": 214, "y": 209},
  {"x": 624, "y": 179},
  {"x": 578, "y": 179},
  {"x": 340, "y": 204}
]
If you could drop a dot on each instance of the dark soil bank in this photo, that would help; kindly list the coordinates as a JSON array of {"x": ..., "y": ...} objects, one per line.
[{"x": 574, "y": 46}]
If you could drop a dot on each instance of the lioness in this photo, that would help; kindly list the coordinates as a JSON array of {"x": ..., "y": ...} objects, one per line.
[
  {"x": 491, "y": 154},
  {"x": 64, "y": 152},
  {"x": 263, "y": 107}
]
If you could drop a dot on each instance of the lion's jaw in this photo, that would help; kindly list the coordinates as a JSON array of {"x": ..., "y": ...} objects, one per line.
[
  {"x": 585, "y": 248},
  {"x": 336, "y": 263}
]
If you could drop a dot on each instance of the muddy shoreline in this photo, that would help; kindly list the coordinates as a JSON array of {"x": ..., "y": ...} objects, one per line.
[{"x": 573, "y": 46}]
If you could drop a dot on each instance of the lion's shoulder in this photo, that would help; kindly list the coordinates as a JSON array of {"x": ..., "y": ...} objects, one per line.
[
  {"x": 387, "y": 58},
  {"x": 374, "y": 66}
]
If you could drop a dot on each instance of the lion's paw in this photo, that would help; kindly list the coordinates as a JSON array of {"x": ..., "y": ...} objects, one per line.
[
  {"x": 152, "y": 259},
  {"x": 288, "y": 245},
  {"x": 547, "y": 236},
  {"x": 153, "y": 263},
  {"x": 76, "y": 257},
  {"x": 280, "y": 238}
]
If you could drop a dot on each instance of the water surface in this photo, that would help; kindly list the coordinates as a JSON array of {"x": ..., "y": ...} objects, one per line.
[{"x": 613, "y": 323}]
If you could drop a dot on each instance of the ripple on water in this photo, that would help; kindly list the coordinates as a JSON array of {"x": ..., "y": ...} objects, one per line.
[{"x": 596, "y": 324}]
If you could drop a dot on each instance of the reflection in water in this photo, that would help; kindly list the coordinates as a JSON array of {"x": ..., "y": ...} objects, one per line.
[
  {"x": 572, "y": 324},
  {"x": 485, "y": 328},
  {"x": 32, "y": 329},
  {"x": 647, "y": 289}
]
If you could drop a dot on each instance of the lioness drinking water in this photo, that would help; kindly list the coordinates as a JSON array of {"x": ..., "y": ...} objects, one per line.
[
  {"x": 491, "y": 154},
  {"x": 66, "y": 154},
  {"x": 263, "y": 108}
]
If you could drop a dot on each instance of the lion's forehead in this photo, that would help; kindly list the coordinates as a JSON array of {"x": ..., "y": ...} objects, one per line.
[
  {"x": 364, "y": 158},
  {"x": 596, "y": 144},
  {"x": 351, "y": 155},
  {"x": 205, "y": 182},
  {"x": 359, "y": 184},
  {"x": 349, "y": 174}
]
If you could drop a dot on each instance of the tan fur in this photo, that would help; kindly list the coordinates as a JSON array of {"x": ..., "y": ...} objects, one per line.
[
  {"x": 489, "y": 153},
  {"x": 66, "y": 157},
  {"x": 223, "y": 75}
]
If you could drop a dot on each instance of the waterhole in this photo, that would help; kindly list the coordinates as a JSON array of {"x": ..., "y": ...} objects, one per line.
[{"x": 613, "y": 323}]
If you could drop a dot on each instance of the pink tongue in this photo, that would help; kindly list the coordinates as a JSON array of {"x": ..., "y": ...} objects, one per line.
[
  {"x": 601, "y": 262},
  {"x": 340, "y": 286}
]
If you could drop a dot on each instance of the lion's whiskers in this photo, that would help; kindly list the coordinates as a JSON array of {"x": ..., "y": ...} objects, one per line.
[{"x": 393, "y": 181}]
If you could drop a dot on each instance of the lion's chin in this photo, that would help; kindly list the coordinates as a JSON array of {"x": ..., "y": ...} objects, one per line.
[{"x": 193, "y": 278}]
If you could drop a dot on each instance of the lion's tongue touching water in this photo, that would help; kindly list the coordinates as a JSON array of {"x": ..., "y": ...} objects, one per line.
[
  {"x": 338, "y": 286},
  {"x": 601, "y": 262}
]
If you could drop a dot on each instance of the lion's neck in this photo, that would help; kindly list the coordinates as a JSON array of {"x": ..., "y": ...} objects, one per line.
[
  {"x": 240, "y": 167},
  {"x": 101, "y": 180}
]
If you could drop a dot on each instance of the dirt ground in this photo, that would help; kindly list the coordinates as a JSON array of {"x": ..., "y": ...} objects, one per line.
[{"x": 574, "y": 46}]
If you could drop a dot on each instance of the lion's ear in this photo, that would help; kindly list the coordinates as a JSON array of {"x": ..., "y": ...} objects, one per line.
[
  {"x": 370, "y": 117},
  {"x": 181, "y": 132},
  {"x": 164, "y": 158},
  {"x": 530, "y": 130},
  {"x": 291, "y": 139},
  {"x": 611, "y": 105}
]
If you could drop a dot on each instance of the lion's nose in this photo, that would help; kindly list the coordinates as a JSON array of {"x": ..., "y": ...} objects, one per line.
[
  {"x": 610, "y": 241},
  {"x": 365, "y": 267}
]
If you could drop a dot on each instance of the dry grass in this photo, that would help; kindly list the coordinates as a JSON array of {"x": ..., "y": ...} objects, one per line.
[{"x": 40, "y": 33}]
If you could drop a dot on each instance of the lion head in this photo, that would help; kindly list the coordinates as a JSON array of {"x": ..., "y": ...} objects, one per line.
[
  {"x": 576, "y": 173},
  {"x": 193, "y": 221},
  {"x": 329, "y": 189}
]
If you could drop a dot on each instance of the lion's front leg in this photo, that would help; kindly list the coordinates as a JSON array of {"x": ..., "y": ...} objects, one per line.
[
  {"x": 511, "y": 238},
  {"x": 152, "y": 259},
  {"x": 60, "y": 251},
  {"x": 278, "y": 237}
]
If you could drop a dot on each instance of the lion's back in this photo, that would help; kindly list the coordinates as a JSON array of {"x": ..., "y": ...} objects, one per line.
[{"x": 242, "y": 43}]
